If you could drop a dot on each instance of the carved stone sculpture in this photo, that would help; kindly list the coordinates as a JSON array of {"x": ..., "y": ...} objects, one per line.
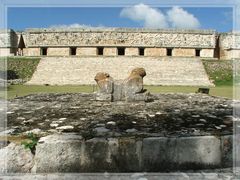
[
  {"x": 130, "y": 89},
  {"x": 134, "y": 83},
  {"x": 105, "y": 82}
]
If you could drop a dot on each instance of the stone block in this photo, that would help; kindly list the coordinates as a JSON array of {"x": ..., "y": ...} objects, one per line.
[
  {"x": 58, "y": 51},
  {"x": 129, "y": 155},
  {"x": 183, "y": 52},
  {"x": 229, "y": 54},
  {"x": 104, "y": 97},
  {"x": 131, "y": 52},
  {"x": 146, "y": 96},
  {"x": 208, "y": 53},
  {"x": 59, "y": 153},
  {"x": 118, "y": 92},
  {"x": 31, "y": 52},
  {"x": 227, "y": 150},
  {"x": 235, "y": 54},
  {"x": 86, "y": 51},
  {"x": 201, "y": 151},
  {"x": 100, "y": 152},
  {"x": 159, "y": 153},
  {"x": 107, "y": 51},
  {"x": 181, "y": 153},
  {"x": 15, "y": 159},
  {"x": 4, "y": 51},
  {"x": 155, "y": 52}
]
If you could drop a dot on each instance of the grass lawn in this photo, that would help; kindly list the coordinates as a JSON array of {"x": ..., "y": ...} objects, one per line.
[{"x": 22, "y": 90}]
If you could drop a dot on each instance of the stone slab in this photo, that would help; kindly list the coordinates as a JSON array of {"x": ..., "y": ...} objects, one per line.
[{"x": 181, "y": 153}]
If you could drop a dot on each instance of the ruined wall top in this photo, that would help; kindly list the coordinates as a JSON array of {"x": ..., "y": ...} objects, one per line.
[
  {"x": 8, "y": 38},
  {"x": 230, "y": 40},
  {"x": 129, "y": 37},
  {"x": 101, "y": 29}
]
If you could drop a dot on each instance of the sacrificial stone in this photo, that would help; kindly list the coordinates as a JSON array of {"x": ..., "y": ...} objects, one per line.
[{"x": 129, "y": 89}]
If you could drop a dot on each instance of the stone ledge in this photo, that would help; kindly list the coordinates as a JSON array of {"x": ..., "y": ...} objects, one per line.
[
  {"x": 127, "y": 154},
  {"x": 54, "y": 30}
]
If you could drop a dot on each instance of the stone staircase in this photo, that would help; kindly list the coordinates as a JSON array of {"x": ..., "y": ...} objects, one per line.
[{"x": 81, "y": 70}]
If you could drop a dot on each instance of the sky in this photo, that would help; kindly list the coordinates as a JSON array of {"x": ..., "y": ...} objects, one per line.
[{"x": 139, "y": 15}]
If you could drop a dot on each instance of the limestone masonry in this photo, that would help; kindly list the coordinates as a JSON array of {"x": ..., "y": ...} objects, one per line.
[{"x": 120, "y": 41}]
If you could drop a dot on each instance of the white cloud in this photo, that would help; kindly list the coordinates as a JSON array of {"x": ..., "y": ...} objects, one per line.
[
  {"x": 176, "y": 17},
  {"x": 179, "y": 18},
  {"x": 152, "y": 18},
  {"x": 71, "y": 26}
]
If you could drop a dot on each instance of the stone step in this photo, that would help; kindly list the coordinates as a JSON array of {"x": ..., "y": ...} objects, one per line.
[{"x": 160, "y": 71}]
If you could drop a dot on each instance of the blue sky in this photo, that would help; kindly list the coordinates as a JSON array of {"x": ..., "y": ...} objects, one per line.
[{"x": 138, "y": 16}]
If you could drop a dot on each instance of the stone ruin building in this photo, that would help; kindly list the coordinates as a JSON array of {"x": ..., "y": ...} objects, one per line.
[
  {"x": 120, "y": 42},
  {"x": 74, "y": 56}
]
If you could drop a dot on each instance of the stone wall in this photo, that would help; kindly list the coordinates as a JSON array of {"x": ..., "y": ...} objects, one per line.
[
  {"x": 229, "y": 45},
  {"x": 31, "y": 51},
  {"x": 57, "y": 51},
  {"x": 155, "y": 43},
  {"x": 87, "y": 51},
  {"x": 155, "y": 51},
  {"x": 8, "y": 42},
  {"x": 131, "y": 52},
  {"x": 183, "y": 52},
  {"x": 207, "y": 53},
  {"x": 121, "y": 37},
  {"x": 5, "y": 51},
  {"x": 110, "y": 51}
]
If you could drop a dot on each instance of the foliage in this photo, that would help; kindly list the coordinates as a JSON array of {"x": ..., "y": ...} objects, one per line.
[{"x": 31, "y": 143}]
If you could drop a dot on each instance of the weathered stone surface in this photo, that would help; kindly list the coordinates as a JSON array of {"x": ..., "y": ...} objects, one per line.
[
  {"x": 131, "y": 51},
  {"x": 103, "y": 97},
  {"x": 168, "y": 115},
  {"x": 130, "y": 89},
  {"x": 129, "y": 155},
  {"x": 181, "y": 153},
  {"x": 161, "y": 70},
  {"x": 107, "y": 51},
  {"x": 134, "y": 83},
  {"x": 155, "y": 52},
  {"x": 58, "y": 153},
  {"x": 208, "y": 53},
  {"x": 71, "y": 153},
  {"x": 86, "y": 51},
  {"x": 51, "y": 51},
  {"x": 121, "y": 37},
  {"x": 227, "y": 150},
  {"x": 104, "y": 82},
  {"x": 15, "y": 159},
  {"x": 183, "y": 52},
  {"x": 8, "y": 39},
  {"x": 220, "y": 174},
  {"x": 101, "y": 152}
]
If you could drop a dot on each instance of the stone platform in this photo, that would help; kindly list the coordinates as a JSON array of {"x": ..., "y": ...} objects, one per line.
[
  {"x": 81, "y": 70},
  {"x": 175, "y": 132},
  {"x": 168, "y": 115}
]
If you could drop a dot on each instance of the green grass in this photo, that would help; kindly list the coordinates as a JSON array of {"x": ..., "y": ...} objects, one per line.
[
  {"x": 20, "y": 67},
  {"x": 219, "y": 71},
  {"x": 223, "y": 91},
  {"x": 22, "y": 90}
]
